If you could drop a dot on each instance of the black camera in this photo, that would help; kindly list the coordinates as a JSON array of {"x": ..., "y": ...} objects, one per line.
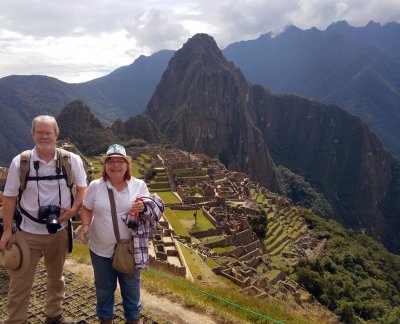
[{"x": 50, "y": 214}]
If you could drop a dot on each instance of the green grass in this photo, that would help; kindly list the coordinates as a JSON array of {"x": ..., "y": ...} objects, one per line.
[
  {"x": 211, "y": 263},
  {"x": 188, "y": 171},
  {"x": 97, "y": 167},
  {"x": 168, "y": 197},
  {"x": 141, "y": 160},
  {"x": 158, "y": 190},
  {"x": 198, "y": 177},
  {"x": 212, "y": 239},
  {"x": 187, "y": 219},
  {"x": 190, "y": 295},
  {"x": 222, "y": 249},
  {"x": 278, "y": 249},
  {"x": 272, "y": 274},
  {"x": 175, "y": 223},
  {"x": 260, "y": 199},
  {"x": 193, "y": 266},
  {"x": 135, "y": 170},
  {"x": 80, "y": 253},
  {"x": 145, "y": 156}
]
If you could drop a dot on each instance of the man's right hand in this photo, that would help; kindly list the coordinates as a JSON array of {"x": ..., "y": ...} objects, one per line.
[
  {"x": 6, "y": 240},
  {"x": 9, "y": 203}
]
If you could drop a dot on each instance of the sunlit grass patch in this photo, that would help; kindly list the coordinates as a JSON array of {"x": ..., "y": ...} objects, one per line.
[{"x": 168, "y": 197}]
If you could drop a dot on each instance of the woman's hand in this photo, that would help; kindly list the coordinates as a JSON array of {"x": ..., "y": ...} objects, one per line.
[
  {"x": 137, "y": 206},
  {"x": 86, "y": 219},
  {"x": 84, "y": 234}
]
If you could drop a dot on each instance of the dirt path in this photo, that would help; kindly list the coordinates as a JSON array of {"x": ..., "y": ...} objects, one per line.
[{"x": 160, "y": 307}]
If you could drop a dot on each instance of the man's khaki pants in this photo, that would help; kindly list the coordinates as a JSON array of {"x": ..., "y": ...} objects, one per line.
[{"x": 54, "y": 249}]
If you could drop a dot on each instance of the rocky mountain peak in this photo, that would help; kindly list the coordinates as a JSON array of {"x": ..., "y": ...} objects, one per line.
[
  {"x": 76, "y": 117},
  {"x": 202, "y": 43},
  {"x": 201, "y": 105},
  {"x": 80, "y": 125}
]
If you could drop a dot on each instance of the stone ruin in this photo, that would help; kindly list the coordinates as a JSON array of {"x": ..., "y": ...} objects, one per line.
[{"x": 227, "y": 203}]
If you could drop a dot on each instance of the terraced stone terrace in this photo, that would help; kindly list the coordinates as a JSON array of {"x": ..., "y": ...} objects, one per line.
[{"x": 223, "y": 201}]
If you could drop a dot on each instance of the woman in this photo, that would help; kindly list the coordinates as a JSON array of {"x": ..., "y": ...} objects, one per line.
[{"x": 96, "y": 220}]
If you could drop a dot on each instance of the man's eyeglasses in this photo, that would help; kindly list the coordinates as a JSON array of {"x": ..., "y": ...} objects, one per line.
[{"x": 40, "y": 133}]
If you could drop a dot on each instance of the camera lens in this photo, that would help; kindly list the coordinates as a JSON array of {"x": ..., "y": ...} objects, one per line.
[{"x": 52, "y": 224}]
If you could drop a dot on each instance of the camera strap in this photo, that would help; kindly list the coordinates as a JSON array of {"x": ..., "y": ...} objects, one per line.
[
  {"x": 56, "y": 177},
  {"x": 23, "y": 211},
  {"x": 36, "y": 220},
  {"x": 36, "y": 167},
  {"x": 58, "y": 172}
]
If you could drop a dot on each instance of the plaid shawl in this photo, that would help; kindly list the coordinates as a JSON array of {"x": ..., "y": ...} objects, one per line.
[{"x": 148, "y": 220}]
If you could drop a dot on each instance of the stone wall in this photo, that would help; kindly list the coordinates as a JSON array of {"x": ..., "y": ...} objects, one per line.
[
  {"x": 279, "y": 277},
  {"x": 206, "y": 233},
  {"x": 222, "y": 242},
  {"x": 254, "y": 245},
  {"x": 217, "y": 176},
  {"x": 243, "y": 238},
  {"x": 180, "y": 271},
  {"x": 159, "y": 185},
  {"x": 195, "y": 199},
  {"x": 236, "y": 253},
  {"x": 250, "y": 255},
  {"x": 209, "y": 216}
]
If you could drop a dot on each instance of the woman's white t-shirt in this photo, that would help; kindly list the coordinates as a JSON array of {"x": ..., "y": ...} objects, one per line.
[{"x": 101, "y": 235}]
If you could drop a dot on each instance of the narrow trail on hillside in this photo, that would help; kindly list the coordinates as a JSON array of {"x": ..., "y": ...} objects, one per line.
[
  {"x": 80, "y": 300},
  {"x": 163, "y": 309}
]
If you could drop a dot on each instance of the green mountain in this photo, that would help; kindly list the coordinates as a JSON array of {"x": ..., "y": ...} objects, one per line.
[
  {"x": 80, "y": 126},
  {"x": 355, "y": 277},
  {"x": 204, "y": 104}
]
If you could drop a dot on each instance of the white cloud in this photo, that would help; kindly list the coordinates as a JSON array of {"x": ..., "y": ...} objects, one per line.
[
  {"x": 156, "y": 29},
  {"x": 74, "y": 58},
  {"x": 78, "y": 40}
]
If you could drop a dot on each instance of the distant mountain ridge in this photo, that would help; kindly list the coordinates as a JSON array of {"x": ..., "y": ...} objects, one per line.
[
  {"x": 121, "y": 94},
  {"x": 355, "y": 68}
]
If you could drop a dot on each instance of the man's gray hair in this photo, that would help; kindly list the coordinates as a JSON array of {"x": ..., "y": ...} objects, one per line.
[{"x": 46, "y": 118}]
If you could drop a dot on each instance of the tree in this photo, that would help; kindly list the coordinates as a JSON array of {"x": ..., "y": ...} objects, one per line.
[{"x": 258, "y": 224}]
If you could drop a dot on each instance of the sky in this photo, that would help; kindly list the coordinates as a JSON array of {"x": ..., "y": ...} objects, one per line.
[{"x": 80, "y": 40}]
